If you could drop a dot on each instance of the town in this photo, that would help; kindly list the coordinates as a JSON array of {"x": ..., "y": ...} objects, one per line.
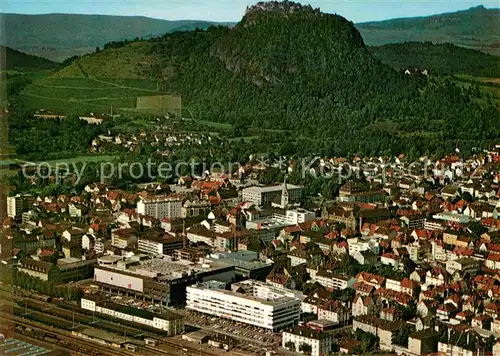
[{"x": 404, "y": 259}]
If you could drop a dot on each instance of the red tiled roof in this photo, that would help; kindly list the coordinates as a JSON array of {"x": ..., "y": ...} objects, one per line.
[{"x": 369, "y": 277}]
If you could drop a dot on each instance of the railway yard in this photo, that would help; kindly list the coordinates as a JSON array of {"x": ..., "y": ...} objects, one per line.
[{"x": 61, "y": 324}]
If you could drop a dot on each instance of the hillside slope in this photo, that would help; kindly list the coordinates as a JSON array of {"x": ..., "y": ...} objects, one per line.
[
  {"x": 438, "y": 58},
  {"x": 59, "y": 36},
  {"x": 11, "y": 59},
  {"x": 477, "y": 28},
  {"x": 295, "y": 68}
]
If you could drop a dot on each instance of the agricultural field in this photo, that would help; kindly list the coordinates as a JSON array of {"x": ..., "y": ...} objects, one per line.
[
  {"x": 83, "y": 95},
  {"x": 489, "y": 86},
  {"x": 85, "y": 159},
  {"x": 130, "y": 61}
]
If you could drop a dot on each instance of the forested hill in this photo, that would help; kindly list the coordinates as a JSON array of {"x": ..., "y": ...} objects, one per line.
[
  {"x": 60, "y": 36},
  {"x": 438, "y": 58},
  {"x": 311, "y": 74},
  {"x": 11, "y": 59},
  {"x": 477, "y": 28}
]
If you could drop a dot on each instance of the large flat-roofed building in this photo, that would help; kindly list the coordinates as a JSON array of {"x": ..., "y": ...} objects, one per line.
[
  {"x": 250, "y": 302},
  {"x": 66, "y": 269},
  {"x": 246, "y": 264},
  {"x": 355, "y": 193},
  {"x": 294, "y": 217},
  {"x": 156, "y": 279},
  {"x": 267, "y": 195},
  {"x": 160, "y": 207},
  {"x": 168, "y": 321},
  {"x": 164, "y": 244}
]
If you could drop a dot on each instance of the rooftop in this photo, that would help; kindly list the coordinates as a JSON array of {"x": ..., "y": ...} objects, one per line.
[
  {"x": 166, "y": 314},
  {"x": 306, "y": 332},
  {"x": 274, "y": 188},
  {"x": 253, "y": 291},
  {"x": 103, "y": 335}
]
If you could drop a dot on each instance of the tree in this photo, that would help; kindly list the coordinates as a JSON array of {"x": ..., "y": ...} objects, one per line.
[
  {"x": 369, "y": 342},
  {"x": 401, "y": 337},
  {"x": 306, "y": 349},
  {"x": 410, "y": 311},
  {"x": 290, "y": 345},
  {"x": 467, "y": 197}
]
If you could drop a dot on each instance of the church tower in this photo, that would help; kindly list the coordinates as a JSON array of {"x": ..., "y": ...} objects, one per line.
[{"x": 284, "y": 195}]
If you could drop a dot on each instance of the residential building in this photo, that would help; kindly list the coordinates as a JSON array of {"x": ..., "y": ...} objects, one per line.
[
  {"x": 159, "y": 244},
  {"x": 463, "y": 265},
  {"x": 18, "y": 204},
  {"x": 423, "y": 342},
  {"x": 160, "y": 207},
  {"x": 320, "y": 342}
]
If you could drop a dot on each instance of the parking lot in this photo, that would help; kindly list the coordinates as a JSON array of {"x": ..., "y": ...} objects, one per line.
[{"x": 241, "y": 331}]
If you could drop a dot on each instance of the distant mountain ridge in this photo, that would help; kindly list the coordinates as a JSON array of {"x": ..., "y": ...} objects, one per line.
[
  {"x": 59, "y": 36},
  {"x": 10, "y": 59},
  {"x": 477, "y": 28}
]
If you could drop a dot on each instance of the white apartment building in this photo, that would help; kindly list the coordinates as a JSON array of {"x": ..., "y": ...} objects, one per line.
[
  {"x": 266, "y": 195},
  {"x": 295, "y": 217},
  {"x": 149, "y": 245},
  {"x": 159, "y": 245},
  {"x": 250, "y": 302},
  {"x": 452, "y": 217},
  {"x": 14, "y": 206},
  {"x": 438, "y": 251},
  {"x": 360, "y": 245},
  {"x": 454, "y": 350},
  {"x": 432, "y": 224},
  {"x": 100, "y": 245},
  {"x": 329, "y": 280},
  {"x": 320, "y": 342},
  {"x": 160, "y": 207}
]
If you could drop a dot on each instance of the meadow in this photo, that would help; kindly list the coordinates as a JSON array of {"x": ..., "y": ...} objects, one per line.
[{"x": 84, "y": 95}]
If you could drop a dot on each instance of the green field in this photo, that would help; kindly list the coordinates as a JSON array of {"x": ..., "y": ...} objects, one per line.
[
  {"x": 83, "y": 95},
  {"x": 489, "y": 86},
  {"x": 86, "y": 158}
]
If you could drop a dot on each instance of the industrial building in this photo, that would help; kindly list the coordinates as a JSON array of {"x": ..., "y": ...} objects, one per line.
[
  {"x": 246, "y": 264},
  {"x": 250, "y": 302},
  {"x": 160, "y": 280},
  {"x": 168, "y": 321}
]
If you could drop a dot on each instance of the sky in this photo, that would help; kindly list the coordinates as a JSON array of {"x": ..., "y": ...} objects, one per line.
[{"x": 233, "y": 10}]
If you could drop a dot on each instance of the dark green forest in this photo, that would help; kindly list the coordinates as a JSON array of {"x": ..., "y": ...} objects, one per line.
[
  {"x": 311, "y": 73},
  {"x": 36, "y": 139},
  {"x": 300, "y": 83}
]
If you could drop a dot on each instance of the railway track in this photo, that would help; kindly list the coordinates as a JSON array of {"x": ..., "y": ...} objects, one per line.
[
  {"x": 54, "y": 311},
  {"x": 66, "y": 339}
]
